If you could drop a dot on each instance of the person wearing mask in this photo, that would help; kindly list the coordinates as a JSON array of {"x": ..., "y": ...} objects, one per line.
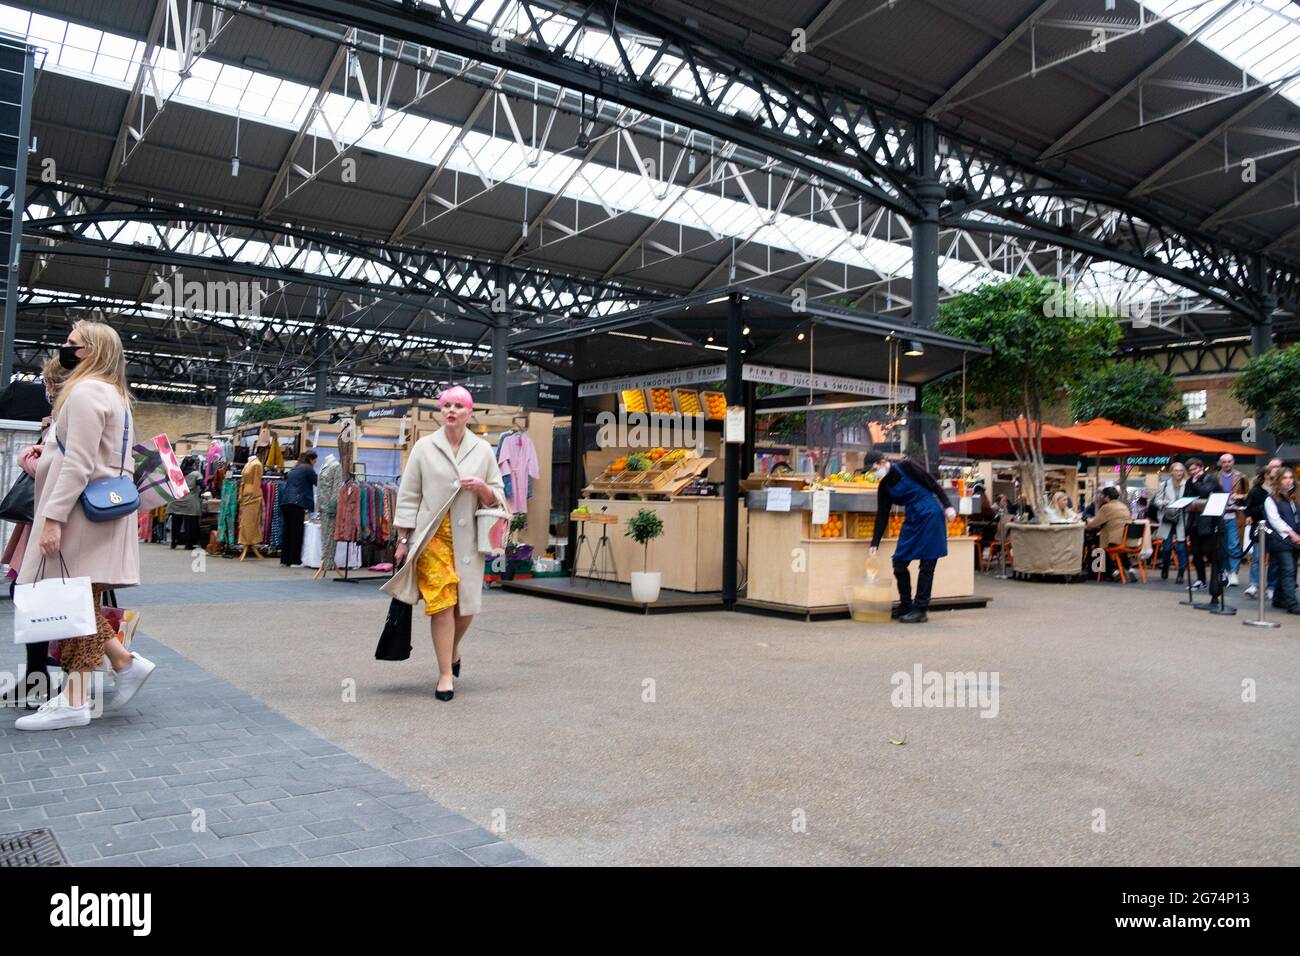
[
  {"x": 92, "y": 426},
  {"x": 1058, "y": 510},
  {"x": 1109, "y": 522},
  {"x": 1236, "y": 485},
  {"x": 297, "y": 500},
  {"x": 449, "y": 476},
  {"x": 1172, "y": 525},
  {"x": 36, "y": 677},
  {"x": 1265, "y": 484},
  {"x": 1283, "y": 543},
  {"x": 184, "y": 512},
  {"x": 924, "y": 538}
]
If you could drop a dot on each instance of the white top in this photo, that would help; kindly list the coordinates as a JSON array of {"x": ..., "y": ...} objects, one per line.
[{"x": 1275, "y": 519}]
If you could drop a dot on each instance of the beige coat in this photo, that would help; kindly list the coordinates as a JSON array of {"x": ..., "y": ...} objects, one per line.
[
  {"x": 250, "y": 502},
  {"x": 428, "y": 484},
  {"x": 90, "y": 427}
]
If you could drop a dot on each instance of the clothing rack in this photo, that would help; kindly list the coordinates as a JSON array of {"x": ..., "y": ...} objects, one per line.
[{"x": 358, "y": 476}]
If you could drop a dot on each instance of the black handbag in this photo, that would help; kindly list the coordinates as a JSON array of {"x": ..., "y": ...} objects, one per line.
[
  {"x": 20, "y": 503},
  {"x": 395, "y": 641}
]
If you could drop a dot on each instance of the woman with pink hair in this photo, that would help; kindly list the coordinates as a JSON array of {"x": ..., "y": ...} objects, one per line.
[{"x": 449, "y": 476}]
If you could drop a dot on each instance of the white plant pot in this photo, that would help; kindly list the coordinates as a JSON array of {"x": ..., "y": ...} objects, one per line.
[{"x": 645, "y": 586}]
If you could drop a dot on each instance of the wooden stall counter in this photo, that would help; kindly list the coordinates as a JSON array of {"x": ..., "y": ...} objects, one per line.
[
  {"x": 792, "y": 565},
  {"x": 688, "y": 554}
]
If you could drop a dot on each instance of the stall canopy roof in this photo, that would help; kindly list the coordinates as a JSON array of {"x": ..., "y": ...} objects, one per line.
[{"x": 692, "y": 331}]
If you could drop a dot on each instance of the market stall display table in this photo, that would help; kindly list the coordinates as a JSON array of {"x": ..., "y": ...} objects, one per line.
[
  {"x": 688, "y": 554},
  {"x": 1046, "y": 548},
  {"x": 789, "y": 567}
]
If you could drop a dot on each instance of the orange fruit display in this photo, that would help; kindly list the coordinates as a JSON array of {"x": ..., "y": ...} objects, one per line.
[
  {"x": 715, "y": 404},
  {"x": 833, "y": 528},
  {"x": 661, "y": 401}
]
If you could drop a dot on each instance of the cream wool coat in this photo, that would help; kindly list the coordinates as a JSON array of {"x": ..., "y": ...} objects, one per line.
[
  {"x": 90, "y": 427},
  {"x": 422, "y": 500}
]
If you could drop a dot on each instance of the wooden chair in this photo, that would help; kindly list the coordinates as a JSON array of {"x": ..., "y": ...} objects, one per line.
[
  {"x": 1157, "y": 545},
  {"x": 999, "y": 545},
  {"x": 1131, "y": 546}
]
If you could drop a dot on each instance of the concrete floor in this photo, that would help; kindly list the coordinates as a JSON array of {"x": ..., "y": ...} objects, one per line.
[{"x": 1112, "y": 699}]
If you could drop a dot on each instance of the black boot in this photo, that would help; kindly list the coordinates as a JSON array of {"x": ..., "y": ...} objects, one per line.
[{"x": 915, "y": 616}]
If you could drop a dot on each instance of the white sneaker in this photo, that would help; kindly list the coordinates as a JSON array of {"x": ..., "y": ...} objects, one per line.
[
  {"x": 1198, "y": 585},
  {"x": 1251, "y": 591},
  {"x": 55, "y": 714},
  {"x": 1232, "y": 580},
  {"x": 1269, "y": 594},
  {"x": 130, "y": 681}
]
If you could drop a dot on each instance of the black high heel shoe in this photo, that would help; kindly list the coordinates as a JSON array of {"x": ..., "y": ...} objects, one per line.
[
  {"x": 455, "y": 668},
  {"x": 444, "y": 694}
]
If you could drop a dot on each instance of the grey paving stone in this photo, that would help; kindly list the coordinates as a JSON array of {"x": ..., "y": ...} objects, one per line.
[
  {"x": 465, "y": 839},
  {"x": 325, "y": 847},
  {"x": 70, "y": 808},
  {"x": 275, "y": 856},
  {"x": 423, "y": 848},
  {"x": 373, "y": 856},
  {"x": 326, "y": 828},
  {"x": 122, "y": 845},
  {"x": 282, "y": 836},
  {"x": 494, "y": 854},
  {"x": 171, "y": 856},
  {"x": 121, "y": 792}
]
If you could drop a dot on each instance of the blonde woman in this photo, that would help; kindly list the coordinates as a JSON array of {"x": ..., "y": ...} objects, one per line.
[
  {"x": 449, "y": 475},
  {"x": 92, "y": 414},
  {"x": 1058, "y": 510}
]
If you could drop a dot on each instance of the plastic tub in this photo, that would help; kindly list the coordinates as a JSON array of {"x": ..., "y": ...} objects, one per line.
[{"x": 870, "y": 602}]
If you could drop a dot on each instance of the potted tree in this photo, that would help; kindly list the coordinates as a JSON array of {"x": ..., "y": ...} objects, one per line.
[
  {"x": 518, "y": 556},
  {"x": 643, "y": 527},
  {"x": 1041, "y": 344}
]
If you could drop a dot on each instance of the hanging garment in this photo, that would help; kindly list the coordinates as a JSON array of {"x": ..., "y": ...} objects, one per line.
[
  {"x": 518, "y": 459},
  {"x": 250, "y": 503},
  {"x": 209, "y": 463},
  {"x": 275, "y": 454},
  {"x": 328, "y": 485},
  {"x": 226, "y": 523},
  {"x": 277, "y": 519},
  {"x": 347, "y": 519},
  {"x": 268, "y": 499},
  {"x": 347, "y": 443}
]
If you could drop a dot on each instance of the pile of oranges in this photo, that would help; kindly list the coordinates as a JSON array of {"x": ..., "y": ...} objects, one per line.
[
  {"x": 833, "y": 528},
  {"x": 661, "y": 401},
  {"x": 715, "y": 405},
  {"x": 619, "y": 463},
  {"x": 688, "y": 401},
  {"x": 957, "y": 527},
  {"x": 634, "y": 400}
]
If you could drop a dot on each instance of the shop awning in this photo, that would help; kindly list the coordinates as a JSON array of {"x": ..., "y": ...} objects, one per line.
[
  {"x": 1190, "y": 441},
  {"x": 1126, "y": 441},
  {"x": 995, "y": 441},
  {"x": 781, "y": 332}
]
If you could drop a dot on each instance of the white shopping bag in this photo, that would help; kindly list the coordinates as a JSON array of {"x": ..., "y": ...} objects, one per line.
[{"x": 53, "y": 609}]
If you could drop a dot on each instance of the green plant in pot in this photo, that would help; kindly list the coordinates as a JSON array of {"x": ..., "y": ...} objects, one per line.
[
  {"x": 518, "y": 523},
  {"x": 643, "y": 527}
]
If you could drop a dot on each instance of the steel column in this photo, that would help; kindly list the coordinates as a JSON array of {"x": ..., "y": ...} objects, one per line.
[
  {"x": 925, "y": 230},
  {"x": 17, "y": 204},
  {"x": 731, "y": 474}
]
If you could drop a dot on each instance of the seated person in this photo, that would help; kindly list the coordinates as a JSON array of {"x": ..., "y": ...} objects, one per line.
[
  {"x": 1110, "y": 520},
  {"x": 1058, "y": 510}
]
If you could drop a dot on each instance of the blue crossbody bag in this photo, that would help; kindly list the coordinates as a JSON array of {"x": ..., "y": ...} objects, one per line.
[{"x": 107, "y": 499}]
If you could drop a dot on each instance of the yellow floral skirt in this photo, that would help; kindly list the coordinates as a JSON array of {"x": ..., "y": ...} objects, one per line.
[{"x": 436, "y": 571}]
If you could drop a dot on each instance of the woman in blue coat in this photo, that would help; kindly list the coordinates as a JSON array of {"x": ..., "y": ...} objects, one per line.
[{"x": 924, "y": 538}]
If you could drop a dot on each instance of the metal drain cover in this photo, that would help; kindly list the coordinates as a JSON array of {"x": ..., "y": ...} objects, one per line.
[{"x": 30, "y": 848}]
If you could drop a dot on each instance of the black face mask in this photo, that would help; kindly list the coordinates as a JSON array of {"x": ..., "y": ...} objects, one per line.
[{"x": 68, "y": 356}]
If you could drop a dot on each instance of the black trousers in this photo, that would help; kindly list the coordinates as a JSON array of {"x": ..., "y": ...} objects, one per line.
[
  {"x": 1284, "y": 596},
  {"x": 1207, "y": 550},
  {"x": 185, "y": 531},
  {"x": 924, "y": 582},
  {"x": 37, "y": 656},
  {"x": 291, "y": 542}
]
